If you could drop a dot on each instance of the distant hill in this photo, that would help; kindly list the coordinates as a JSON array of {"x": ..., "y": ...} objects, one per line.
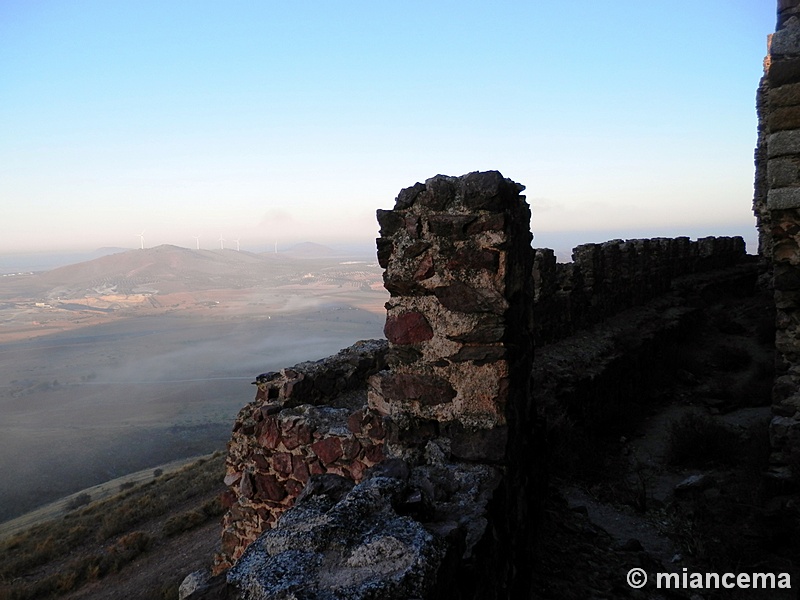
[
  {"x": 133, "y": 276},
  {"x": 163, "y": 269}
]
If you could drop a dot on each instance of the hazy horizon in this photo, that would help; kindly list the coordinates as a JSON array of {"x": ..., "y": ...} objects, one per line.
[{"x": 562, "y": 242}]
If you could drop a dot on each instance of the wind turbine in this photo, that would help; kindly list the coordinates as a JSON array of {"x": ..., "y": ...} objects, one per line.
[
  {"x": 141, "y": 240},
  {"x": 197, "y": 239},
  {"x": 237, "y": 244},
  {"x": 221, "y": 242}
]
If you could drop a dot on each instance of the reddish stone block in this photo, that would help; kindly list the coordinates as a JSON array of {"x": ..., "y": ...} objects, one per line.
[
  {"x": 304, "y": 433},
  {"x": 376, "y": 430},
  {"x": 237, "y": 513},
  {"x": 354, "y": 421},
  {"x": 282, "y": 463},
  {"x": 299, "y": 468},
  {"x": 350, "y": 448},
  {"x": 269, "y": 488},
  {"x": 296, "y": 432},
  {"x": 408, "y": 328},
  {"x": 356, "y": 470},
  {"x": 261, "y": 461},
  {"x": 293, "y": 488},
  {"x": 246, "y": 488},
  {"x": 315, "y": 468},
  {"x": 269, "y": 433},
  {"x": 229, "y": 542},
  {"x": 290, "y": 442},
  {"x": 413, "y": 227},
  {"x": 374, "y": 454},
  {"x": 265, "y": 514},
  {"x": 425, "y": 269},
  {"x": 328, "y": 450}
]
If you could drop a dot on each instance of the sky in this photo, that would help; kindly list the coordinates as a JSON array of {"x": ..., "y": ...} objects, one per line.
[{"x": 294, "y": 121}]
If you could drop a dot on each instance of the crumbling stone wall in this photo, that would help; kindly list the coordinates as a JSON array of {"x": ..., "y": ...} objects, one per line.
[
  {"x": 453, "y": 415},
  {"x": 605, "y": 279},
  {"x": 307, "y": 420},
  {"x": 777, "y": 206},
  {"x": 458, "y": 260}
]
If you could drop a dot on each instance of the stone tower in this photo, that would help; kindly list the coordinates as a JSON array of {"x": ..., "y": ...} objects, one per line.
[{"x": 777, "y": 208}]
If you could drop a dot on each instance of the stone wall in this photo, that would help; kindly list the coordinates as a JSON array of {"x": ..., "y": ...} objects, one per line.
[
  {"x": 453, "y": 416},
  {"x": 459, "y": 263},
  {"x": 304, "y": 421},
  {"x": 604, "y": 279},
  {"x": 458, "y": 260},
  {"x": 777, "y": 206}
]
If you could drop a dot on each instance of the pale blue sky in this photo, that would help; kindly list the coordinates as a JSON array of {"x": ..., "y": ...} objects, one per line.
[{"x": 296, "y": 120}]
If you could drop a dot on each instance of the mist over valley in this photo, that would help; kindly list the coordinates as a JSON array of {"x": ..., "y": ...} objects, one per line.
[{"x": 141, "y": 357}]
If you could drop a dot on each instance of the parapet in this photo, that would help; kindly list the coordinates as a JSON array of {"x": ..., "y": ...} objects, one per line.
[{"x": 605, "y": 279}]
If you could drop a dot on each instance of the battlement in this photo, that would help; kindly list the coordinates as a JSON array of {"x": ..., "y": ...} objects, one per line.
[{"x": 605, "y": 279}]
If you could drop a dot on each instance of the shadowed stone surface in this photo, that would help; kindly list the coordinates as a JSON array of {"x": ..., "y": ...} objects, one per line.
[{"x": 357, "y": 549}]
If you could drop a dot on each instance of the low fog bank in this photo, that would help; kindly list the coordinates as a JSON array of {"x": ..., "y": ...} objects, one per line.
[{"x": 83, "y": 407}]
